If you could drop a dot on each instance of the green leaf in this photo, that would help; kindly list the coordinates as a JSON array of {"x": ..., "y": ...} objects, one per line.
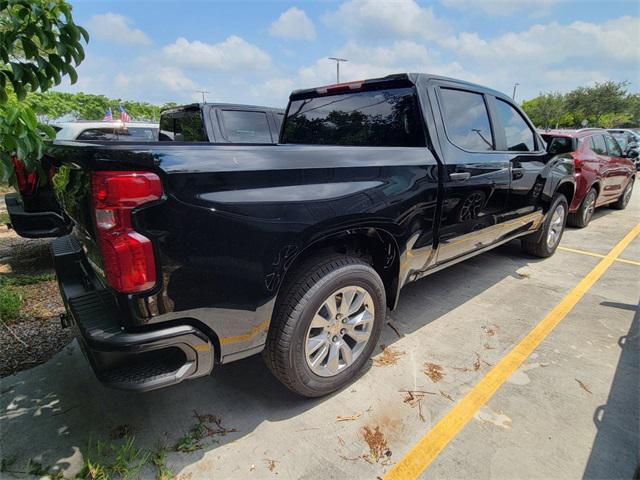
[
  {"x": 30, "y": 48},
  {"x": 84, "y": 33},
  {"x": 47, "y": 130},
  {"x": 72, "y": 74},
  {"x": 29, "y": 118}
]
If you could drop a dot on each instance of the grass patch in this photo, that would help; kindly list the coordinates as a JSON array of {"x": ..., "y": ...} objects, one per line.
[
  {"x": 10, "y": 303},
  {"x": 4, "y": 218},
  {"x": 21, "y": 279},
  {"x": 160, "y": 462},
  {"x": 206, "y": 426},
  {"x": 106, "y": 461}
]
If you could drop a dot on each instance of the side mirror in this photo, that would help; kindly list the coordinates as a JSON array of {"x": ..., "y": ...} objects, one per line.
[{"x": 632, "y": 153}]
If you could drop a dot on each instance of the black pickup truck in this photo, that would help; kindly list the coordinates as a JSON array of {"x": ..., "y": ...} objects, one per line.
[
  {"x": 34, "y": 212},
  {"x": 188, "y": 255}
]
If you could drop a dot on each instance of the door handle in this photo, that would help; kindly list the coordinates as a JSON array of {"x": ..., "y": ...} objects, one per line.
[{"x": 459, "y": 176}]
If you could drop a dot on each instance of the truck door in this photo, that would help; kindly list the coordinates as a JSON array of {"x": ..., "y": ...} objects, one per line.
[{"x": 475, "y": 177}]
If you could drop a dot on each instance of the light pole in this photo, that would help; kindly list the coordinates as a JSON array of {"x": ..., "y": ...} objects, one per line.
[
  {"x": 203, "y": 92},
  {"x": 338, "y": 60},
  {"x": 513, "y": 97}
]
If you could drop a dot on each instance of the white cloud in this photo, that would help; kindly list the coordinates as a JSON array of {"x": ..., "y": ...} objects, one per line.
[
  {"x": 553, "y": 56},
  {"x": 234, "y": 53},
  {"x": 380, "y": 18},
  {"x": 293, "y": 24},
  {"x": 116, "y": 28},
  {"x": 503, "y": 7}
]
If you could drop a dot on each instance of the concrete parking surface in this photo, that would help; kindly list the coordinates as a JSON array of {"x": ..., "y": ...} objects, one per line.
[{"x": 571, "y": 410}]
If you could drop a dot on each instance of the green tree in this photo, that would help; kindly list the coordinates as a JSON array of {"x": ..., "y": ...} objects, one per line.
[
  {"x": 594, "y": 103},
  {"x": 39, "y": 44},
  {"x": 546, "y": 110}
]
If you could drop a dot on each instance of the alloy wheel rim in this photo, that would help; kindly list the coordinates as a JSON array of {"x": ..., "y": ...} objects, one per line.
[
  {"x": 591, "y": 207},
  {"x": 555, "y": 227},
  {"x": 339, "y": 331},
  {"x": 627, "y": 193}
]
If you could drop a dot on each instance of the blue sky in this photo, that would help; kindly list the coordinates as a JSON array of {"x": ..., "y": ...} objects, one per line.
[{"x": 257, "y": 52}]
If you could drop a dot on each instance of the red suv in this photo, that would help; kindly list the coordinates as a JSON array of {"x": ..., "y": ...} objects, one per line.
[{"x": 604, "y": 174}]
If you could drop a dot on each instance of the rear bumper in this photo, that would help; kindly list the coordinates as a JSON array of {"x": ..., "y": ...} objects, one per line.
[
  {"x": 141, "y": 360},
  {"x": 35, "y": 224}
]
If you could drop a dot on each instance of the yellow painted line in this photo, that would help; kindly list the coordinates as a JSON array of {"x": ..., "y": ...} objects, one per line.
[
  {"x": 593, "y": 254},
  {"x": 435, "y": 440}
]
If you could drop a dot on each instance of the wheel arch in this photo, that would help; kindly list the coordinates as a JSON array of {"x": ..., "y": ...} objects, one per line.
[{"x": 376, "y": 245}]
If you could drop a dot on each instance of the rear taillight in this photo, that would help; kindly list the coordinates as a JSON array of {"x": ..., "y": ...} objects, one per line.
[
  {"x": 128, "y": 258},
  {"x": 27, "y": 181},
  {"x": 577, "y": 163}
]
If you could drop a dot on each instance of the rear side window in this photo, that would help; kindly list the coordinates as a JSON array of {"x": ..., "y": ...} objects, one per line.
[
  {"x": 519, "y": 136},
  {"x": 101, "y": 134},
  {"x": 137, "y": 134},
  {"x": 612, "y": 146},
  {"x": 597, "y": 145},
  {"x": 384, "y": 118},
  {"x": 246, "y": 127},
  {"x": 466, "y": 120},
  {"x": 182, "y": 126}
]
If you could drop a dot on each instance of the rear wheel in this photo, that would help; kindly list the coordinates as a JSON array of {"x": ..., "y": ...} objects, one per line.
[
  {"x": 623, "y": 201},
  {"x": 326, "y": 324},
  {"x": 545, "y": 242},
  {"x": 582, "y": 217}
]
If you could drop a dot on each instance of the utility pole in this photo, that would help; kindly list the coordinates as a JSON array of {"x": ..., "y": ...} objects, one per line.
[
  {"x": 513, "y": 97},
  {"x": 338, "y": 60},
  {"x": 203, "y": 92}
]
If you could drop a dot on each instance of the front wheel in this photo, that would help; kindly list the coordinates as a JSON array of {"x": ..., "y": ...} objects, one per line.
[
  {"x": 545, "y": 242},
  {"x": 623, "y": 200},
  {"x": 326, "y": 325}
]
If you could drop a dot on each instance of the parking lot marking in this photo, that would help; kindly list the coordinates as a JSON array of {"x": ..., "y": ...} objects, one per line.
[
  {"x": 418, "y": 459},
  {"x": 599, "y": 255}
]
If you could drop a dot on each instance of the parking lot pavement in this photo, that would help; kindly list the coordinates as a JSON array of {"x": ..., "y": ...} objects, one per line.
[{"x": 569, "y": 411}]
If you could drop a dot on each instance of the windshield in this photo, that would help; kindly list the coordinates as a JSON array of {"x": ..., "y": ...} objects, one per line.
[{"x": 389, "y": 118}]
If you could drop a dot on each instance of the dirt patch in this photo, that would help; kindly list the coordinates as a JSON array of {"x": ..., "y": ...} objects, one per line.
[
  {"x": 433, "y": 371},
  {"x": 377, "y": 442},
  {"x": 30, "y": 342},
  {"x": 388, "y": 357},
  {"x": 490, "y": 330},
  {"x": 33, "y": 333}
]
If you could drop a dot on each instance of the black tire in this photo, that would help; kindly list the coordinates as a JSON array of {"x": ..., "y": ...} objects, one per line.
[
  {"x": 301, "y": 296},
  {"x": 536, "y": 244},
  {"x": 624, "y": 198},
  {"x": 583, "y": 215}
]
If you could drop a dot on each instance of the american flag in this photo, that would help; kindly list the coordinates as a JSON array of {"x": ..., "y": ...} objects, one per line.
[
  {"x": 124, "y": 116},
  {"x": 108, "y": 117}
]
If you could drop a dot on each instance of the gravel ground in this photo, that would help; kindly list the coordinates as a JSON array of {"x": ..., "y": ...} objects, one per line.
[{"x": 37, "y": 335}]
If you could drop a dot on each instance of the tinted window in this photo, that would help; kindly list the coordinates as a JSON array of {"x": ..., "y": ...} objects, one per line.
[
  {"x": 557, "y": 145},
  {"x": 387, "y": 118},
  {"x": 597, "y": 145},
  {"x": 137, "y": 134},
  {"x": 246, "y": 127},
  {"x": 467, "y": 120},
  {"x": 612, "y": 146},
  {"x": 184, "y": 126},
  {"x": 104, "y": 134},
  {"x": 519, "y": 136}
]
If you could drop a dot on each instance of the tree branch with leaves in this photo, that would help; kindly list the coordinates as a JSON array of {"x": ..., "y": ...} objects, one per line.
[{"x": 39, "y": 45}]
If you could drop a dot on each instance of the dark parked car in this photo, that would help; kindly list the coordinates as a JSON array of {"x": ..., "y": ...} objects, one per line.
[
  {"x": 35, "y": 213},
  {"x": 604, "y": 173},
  {"x": 184, "y": 256}
]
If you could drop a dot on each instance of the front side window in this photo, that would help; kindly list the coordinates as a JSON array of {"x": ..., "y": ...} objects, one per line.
[
  {"x": 466, "y": 120},
  {"x": 385, "y": 118},
  {"x": 612, "y": 146},
  {"x": 598, "y": 145},
  {"x": 518, "y": 134},
  {"x": 182, "y": 126},
  {"x": 246, "y": 127}
]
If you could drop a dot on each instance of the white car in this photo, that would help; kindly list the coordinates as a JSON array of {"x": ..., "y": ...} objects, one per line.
[{"x": 114, "y": 131}]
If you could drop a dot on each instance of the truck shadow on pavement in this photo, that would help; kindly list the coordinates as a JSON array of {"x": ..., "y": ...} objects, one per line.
[
  {"x": 50, "y": 414},
  {"x": 614, "y": 453}
]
